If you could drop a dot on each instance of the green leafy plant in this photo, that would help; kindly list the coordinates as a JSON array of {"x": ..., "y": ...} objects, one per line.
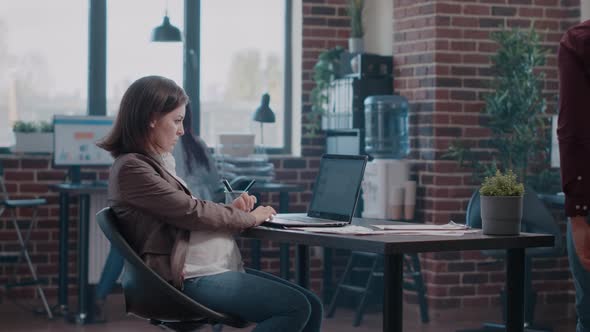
[
  {"x": 24, "y": 127},
  {"x": 502, "y": 185},
  {"x": 32, "y": 127},
  {"x": 45, "y": 127},
  {"x": 513, "y": 111},
  {"x": 324, "y": 72},
  {"x": 355, "y": 12}
]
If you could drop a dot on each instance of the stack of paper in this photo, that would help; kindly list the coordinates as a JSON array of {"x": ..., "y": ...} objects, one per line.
[
  {"x": 450, "y": 229},
  {"x": 347, "y": 230},
  {"x": 451, "y": 226}
]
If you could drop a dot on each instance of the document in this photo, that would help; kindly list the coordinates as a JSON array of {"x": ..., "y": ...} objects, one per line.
[
  {"x": 361, "y": 230},
  {"x": 348, "y": 230},
  {"x": 451, "y": 226}
]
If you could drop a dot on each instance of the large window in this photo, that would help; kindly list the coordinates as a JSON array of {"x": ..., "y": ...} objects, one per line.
[
  {"x": 242, "y": 51},
  {"x": 43, "y": 61},
  {"x": 131, "y": 54}
]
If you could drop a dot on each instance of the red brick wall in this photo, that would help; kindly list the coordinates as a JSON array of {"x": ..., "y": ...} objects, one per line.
[
  {"x": 29, "y": 177},
  {"x": 442, "y": 58}
]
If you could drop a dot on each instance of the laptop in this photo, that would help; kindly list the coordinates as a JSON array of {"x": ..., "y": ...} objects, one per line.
[{"x": 335, "y": 194}]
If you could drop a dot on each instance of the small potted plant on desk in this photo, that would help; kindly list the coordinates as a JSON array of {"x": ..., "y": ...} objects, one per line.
[
  {"x": 33, "y": 137},
  {"x": 501, "y": 204}
]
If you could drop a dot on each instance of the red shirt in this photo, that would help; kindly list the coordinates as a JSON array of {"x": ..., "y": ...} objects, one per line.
[{"x": 573, "y": 130}]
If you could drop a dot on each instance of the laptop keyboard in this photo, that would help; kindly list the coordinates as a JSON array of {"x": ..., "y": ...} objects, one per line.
[{"x": 308, "y": 219}]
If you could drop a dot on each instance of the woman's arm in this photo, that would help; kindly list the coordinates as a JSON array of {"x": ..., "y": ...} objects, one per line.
[{"x": 140, "y": 186}]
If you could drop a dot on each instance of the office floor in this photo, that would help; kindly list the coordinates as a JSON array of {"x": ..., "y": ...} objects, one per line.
[{"x": 16, "y": 319}]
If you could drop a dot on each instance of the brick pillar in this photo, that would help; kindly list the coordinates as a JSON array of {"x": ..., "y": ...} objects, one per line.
[{"x": 442, "y": 65}]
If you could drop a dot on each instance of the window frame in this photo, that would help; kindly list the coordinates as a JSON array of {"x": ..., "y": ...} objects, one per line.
[{"x": 191, "y": 64}]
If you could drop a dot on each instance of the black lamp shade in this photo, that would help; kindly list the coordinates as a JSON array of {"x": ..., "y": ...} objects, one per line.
[
  {"x": 263, "y": 112},
  {"x": 166, "y": 32}
]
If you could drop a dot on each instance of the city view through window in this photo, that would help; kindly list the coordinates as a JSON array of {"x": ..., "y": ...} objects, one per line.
[
  {"x": 44, "y": 53},
  {"x": 43, "y": 61}
]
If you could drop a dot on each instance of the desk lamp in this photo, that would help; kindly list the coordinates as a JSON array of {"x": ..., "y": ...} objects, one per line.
[{"x": 263, "y": 114}]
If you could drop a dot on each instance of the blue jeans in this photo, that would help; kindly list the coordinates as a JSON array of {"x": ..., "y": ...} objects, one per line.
[
  {"x": 581, "y": 278},
  {"x": 271, "y": 302},
  {"x": 110, "y": 273}
]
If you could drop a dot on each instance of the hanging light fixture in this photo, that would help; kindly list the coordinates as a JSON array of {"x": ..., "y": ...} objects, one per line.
[{"x": 166, "y": 32}]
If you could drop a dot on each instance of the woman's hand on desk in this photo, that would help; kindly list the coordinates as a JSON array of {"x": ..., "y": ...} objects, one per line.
[
  {"x": 245, "y": 202},
  {"x": 262, "y": 214}
]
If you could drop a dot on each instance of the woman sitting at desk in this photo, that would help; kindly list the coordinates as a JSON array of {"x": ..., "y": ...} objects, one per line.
[
  {"x": 176, "y": 234},
  {"x": 191, "y": 162}
]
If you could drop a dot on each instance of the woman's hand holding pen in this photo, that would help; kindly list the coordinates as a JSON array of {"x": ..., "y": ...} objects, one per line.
[
  {"x": 245, "y": 202},
  {"x": 262, "y": 214}
]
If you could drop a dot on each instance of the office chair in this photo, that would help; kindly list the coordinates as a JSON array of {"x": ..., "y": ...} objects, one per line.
[
  {"x": 150, "y": 297},
  {"x": 536, "y": 219},
  {"x": 15, "y": 257}
]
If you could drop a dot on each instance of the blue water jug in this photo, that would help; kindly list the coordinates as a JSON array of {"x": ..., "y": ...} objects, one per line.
[{"x": 386, "y": 127}]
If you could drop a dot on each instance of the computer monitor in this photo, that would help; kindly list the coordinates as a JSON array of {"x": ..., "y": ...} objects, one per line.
[{"x": 74, "y": 142}]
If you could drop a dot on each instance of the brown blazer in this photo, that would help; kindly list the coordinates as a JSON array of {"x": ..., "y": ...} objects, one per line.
[{"x": 157, "y": 213}]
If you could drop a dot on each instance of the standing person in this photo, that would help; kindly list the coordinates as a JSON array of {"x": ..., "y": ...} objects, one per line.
[
  {"x": 574, "y": 147},
  {"x": 195, "y": 165},
  {"x": 111, "y": 271},
  {"x": 186, "y": 240}
]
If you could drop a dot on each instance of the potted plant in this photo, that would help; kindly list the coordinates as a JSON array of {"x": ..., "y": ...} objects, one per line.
[
  {"x": 324, "y": 72},
  {"x": 355, "y": 12},
  {"x": 514, "y": 113},
  {"x": 33, "y": 136},
  {"x": 501, "y": 197}
]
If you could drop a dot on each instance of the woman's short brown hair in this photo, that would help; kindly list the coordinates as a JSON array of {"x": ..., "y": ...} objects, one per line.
[{"x": 147, "y": 98}]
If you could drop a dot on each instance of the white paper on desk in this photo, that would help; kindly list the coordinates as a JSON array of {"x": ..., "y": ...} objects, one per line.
[
  {"x": 348, "y": 230},
  {"x": 431, "y": 233},
  {"x": 360, "y": 230},
  {"x": 421, "y": 227}
]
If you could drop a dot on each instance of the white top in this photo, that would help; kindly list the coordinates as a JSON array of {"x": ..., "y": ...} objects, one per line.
[{"x": 209, "y": 252}]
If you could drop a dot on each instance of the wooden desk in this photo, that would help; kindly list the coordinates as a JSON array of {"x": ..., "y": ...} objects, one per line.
[{"x": 392, "y": 247}]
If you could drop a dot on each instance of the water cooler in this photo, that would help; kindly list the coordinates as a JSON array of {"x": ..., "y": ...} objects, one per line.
[{"x": 387, "y": 191}]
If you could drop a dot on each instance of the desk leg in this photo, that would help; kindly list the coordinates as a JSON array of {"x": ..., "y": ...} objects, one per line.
[
  {"x": 392, "y": 293},
  {"x": 327, "y": 276},
  {"x": 284, "y": 259},
  {"x": 255, "y": 253},
  {"x": 515, "y": 290},
  {"x": 302, "y": 268},
  {"x": 64, "y": 216},
  {"x": 284, "y": 256},
  {"x": 84, "y": 208}
]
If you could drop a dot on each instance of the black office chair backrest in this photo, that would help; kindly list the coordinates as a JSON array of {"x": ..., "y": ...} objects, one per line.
[
  {"x": 536, "y": 218},
  {"x": 148, "y": 295}
]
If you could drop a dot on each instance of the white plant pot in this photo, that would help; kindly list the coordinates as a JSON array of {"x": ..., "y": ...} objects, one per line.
[{"x": 34, "y": 142}]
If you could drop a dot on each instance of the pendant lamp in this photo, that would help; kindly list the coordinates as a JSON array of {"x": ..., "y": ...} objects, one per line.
[{"x": 166, "y": 32}]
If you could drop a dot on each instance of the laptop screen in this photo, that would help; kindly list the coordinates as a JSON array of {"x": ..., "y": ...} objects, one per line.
[{"x": 337, "y": 187}]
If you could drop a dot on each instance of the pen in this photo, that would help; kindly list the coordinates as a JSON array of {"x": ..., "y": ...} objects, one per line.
[
  {"x": 250, "y": 185},
  {"x": 227, "y": 186}
]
